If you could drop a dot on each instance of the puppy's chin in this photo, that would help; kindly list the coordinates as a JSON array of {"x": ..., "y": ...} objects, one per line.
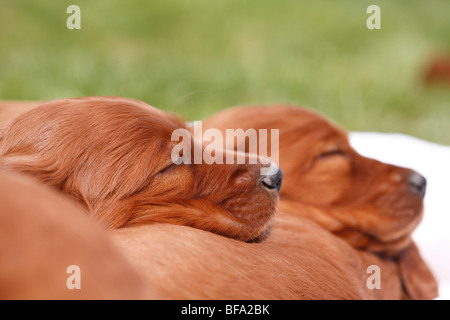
[
  {"x": 263, "y": 235},
  {"x": 251, "y": 222},
  {"x": 391, "y": 248},
  {"x": 259, "y": 229},
  {"x": 247, "y": 232},
  {"x": 392, "y": 243},
  {"x": 208, "y": 216},
  {"x": 367, "y": 242}
]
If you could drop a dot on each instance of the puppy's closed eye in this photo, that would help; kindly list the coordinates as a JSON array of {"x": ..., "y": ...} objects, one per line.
[
  {"x": 166, "y": 168},
  {"x": 333, "y": 153},
  {"x": 332, "y": 160}
]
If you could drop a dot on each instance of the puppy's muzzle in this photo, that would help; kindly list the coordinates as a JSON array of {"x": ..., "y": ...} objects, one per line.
[
  {"x": 272, "y": 181},
  {"x": 418, "y": 183}
]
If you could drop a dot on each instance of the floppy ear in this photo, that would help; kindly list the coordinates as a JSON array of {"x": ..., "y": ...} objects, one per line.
[{"x": 418, "y": 281}]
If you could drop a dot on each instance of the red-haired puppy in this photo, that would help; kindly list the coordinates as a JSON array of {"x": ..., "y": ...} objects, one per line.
[
  {"x": 115, "y": 157},
  {"x": 372, "y": 205}
]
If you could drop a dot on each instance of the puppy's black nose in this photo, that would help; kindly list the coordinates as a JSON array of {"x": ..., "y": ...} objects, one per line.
[
  {"x": 418, "y": 183},
  {"x": 272, "y": 181}
]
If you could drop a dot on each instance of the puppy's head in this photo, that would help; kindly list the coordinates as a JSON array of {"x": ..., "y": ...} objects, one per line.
[
  {"x": 115, "y": 157},
  {"x": 372, "y": 205}
]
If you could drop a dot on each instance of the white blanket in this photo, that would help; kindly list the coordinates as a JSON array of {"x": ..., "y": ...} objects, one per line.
[{"x": 433, "y": 162}]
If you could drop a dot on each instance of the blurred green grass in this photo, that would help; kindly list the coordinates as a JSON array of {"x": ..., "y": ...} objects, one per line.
[{"x": 197, "y": 57}]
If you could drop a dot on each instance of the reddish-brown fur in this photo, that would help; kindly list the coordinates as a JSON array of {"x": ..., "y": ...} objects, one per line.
[
  {"x": 42, "y": 234},
  {"x": 11, "y": 109},
  {"x": 300, "y": 259},
  {"x": 113, "y": 155},
  {"x": 367, "y": 203}
]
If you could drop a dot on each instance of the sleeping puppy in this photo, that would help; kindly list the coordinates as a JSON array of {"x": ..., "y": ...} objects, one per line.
[
  {"x": 43, "y": 234},
  {"x": 114, "y": 157},
  {"x": 371, "y": 205}
]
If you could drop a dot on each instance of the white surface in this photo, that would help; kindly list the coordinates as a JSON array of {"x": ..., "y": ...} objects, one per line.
[{"x": 433, "y": 162}]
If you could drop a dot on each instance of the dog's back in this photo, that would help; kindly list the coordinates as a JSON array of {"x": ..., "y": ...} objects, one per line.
[{"x": 42, "y": 234}]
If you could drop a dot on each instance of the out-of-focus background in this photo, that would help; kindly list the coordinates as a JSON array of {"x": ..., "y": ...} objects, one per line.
[{"x": 196, "y": 57}]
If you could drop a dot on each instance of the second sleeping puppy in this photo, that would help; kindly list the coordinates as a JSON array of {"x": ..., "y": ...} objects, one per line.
[{"x": 373, "y": 206}]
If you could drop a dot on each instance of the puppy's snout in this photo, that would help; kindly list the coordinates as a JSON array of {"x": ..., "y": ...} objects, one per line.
[
  {"x": 418, "y": 183},
  {"x": 272, "y": 179}
]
